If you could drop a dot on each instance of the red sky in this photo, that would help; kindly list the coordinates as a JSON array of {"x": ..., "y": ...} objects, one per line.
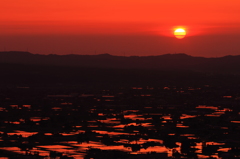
[{"x": 120, "y": 27}]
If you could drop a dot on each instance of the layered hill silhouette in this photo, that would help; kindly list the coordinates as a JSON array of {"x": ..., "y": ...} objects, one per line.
[
  {"x": 166, "y": 61},
  {"x": 24, "y": 69}
]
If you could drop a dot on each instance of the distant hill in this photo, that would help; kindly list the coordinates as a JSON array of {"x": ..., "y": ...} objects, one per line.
[
  {"x": 167, "y": 61},
  {"x": 24, "y": 69}
]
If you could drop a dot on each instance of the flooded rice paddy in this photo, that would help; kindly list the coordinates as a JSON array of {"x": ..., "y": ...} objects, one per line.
[{"x": 127, "y": 122}]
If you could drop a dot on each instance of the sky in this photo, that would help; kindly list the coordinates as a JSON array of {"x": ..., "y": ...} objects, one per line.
[{"x": 120, "y": 27}]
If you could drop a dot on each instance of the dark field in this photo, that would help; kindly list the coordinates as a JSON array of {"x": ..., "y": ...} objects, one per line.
[{"x": 68, "y": 112}]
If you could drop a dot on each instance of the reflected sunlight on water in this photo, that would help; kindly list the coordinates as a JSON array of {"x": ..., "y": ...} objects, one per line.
[
  {"x": 238, "y": 122},
  {"x": 13, "y": 149},
  {"x": 23, "y": 133},
  {"x": 185, "y": 116},
  {"x": 143, "y": 122}
]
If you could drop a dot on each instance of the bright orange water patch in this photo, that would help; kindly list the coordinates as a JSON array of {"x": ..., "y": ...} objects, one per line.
[
  {"x": 134, "y": 117},
  {"x": 158, "y": 149},
  {"x": 55, "y": 147},
  {"x": 13, "y": 149},
  {"x": 27, "y": 106},
  {"x": 207, "y": 107},
  {"x": 110, "y": 121},
  {"x": 182, "y": 126},
  {"x": 65, "y": 150},
  {"x": 235, "y": 122},
  {"x": 133, "y": 124},
  {"x": 227, "y": 96},
  {"x": 167, "y": 117},
  {"x": 109, "y": 133},
  {"x": 185, "y": 116},
  {"x": 36, "y": 119},
  {"x": 23, "y": 133}
]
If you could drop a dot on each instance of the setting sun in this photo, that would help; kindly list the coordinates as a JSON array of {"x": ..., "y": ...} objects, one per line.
[
  {"x": 179, "y": 33},
  {"x": 132, "y": 28}
]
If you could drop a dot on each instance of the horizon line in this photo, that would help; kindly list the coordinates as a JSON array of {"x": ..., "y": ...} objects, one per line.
[{"x": 115, "y": 55}]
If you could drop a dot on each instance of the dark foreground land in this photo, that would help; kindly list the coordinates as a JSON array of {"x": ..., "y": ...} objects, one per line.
[{"x": 69, "y": 112}]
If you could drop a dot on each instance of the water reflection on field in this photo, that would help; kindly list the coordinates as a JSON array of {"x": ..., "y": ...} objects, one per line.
[{"x": 134, "y": 122}]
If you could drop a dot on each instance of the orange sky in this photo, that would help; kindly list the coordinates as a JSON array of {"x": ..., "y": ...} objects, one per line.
[{"x": 34, "y": 19}]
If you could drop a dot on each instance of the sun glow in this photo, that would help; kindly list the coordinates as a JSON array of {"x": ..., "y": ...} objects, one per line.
[{"x": 179, "y": 33}]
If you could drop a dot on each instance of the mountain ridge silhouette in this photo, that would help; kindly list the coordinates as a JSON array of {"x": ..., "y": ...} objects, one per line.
[{"x": 179, "y": 61}]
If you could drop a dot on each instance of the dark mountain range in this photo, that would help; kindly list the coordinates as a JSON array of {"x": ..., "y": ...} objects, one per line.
[
  {"x": 23, "y": 68},
  {"x": 167, "y": 61}
]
